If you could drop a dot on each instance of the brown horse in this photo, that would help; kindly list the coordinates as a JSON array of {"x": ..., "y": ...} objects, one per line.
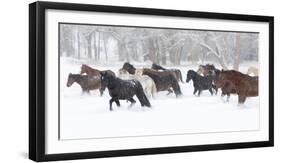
[
  {"x": 235, "y": 82},
  {"x": 93, "y": 72},
  {"x": 176, "y": 72},
  {"x": 87, "y": 83},
  {"x": 129, "y": 68},
  {"x": 164, "y": 80},
  {"x": 226, "y": 89}
]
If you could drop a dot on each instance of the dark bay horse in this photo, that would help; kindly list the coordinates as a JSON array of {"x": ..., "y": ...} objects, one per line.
[
  {"x": 239, "y": 83},
  {"x": 200, "y": 83},
  {"x": 177, "y": 72},
  {"x": 123, "y": 90},
  {"x": 164, "y": 81},
  {"x": 129, "y": 68},
  {"x": 93, "y": 72},
  {"x": 86, "y": 82}
]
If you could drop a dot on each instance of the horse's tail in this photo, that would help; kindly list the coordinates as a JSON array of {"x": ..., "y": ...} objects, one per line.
[
  {"x": 176, "y": 88},
  {"x": 180, "y": 76},
  {"x": 141, "y": 95}
]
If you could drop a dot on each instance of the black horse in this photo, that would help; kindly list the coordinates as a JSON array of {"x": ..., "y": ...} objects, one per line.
[
  {"x": 123, "y": 90},
  {"x": 200, "y": 83},
  {"x": 177, "y": 72}
]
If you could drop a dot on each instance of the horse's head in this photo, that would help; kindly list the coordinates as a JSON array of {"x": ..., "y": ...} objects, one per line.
[
  {"x": 190, "y": 75},
  {"x": 105, "y": 78},
  {"x": 83, "y": 69},
  {"x": 70, "y": 80},
  {"x": 128, "y": 67}
]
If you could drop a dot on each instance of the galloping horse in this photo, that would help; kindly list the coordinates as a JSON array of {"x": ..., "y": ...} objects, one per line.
[
  {"x": 235, "y": 82},
  {"x": 147, "y": 83},
  {"x": 164, "y": 81},
  {"x": 177, "y": 72},
  {"x": 200, "y": 83},
  {"x": 123, "y": 90},
  {"x": 93, "y": 72},
  {"x": 86, "y": 82},
  {"x": 208, "y": 69}
]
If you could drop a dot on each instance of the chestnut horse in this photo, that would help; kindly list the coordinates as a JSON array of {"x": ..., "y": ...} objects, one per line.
[
  {"x": 87, "y": 83},
  {"x": 244, "y": 85},
  {"x": 93, "y": 72}
]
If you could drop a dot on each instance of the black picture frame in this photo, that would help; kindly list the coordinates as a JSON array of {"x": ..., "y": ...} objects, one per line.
[{"x": 37, "y": 80}]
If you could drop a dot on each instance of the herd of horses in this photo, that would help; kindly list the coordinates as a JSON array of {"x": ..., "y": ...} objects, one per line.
[{"x": 146, "y": 82}]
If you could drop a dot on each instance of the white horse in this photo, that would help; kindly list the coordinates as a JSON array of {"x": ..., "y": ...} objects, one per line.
[
  {"x": 147, "y": 83},
  {"x": 253, "y": 71}
]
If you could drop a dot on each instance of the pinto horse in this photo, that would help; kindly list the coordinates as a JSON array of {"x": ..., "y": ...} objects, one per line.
[
  {"x": 207, "y": 69},
  {"x": 123, "y": 90},
  {"x": 239, "y": 83},
  {"x": 164, "y": 80},
  {"x": 200, "y": 83},
  {"x": 147, "y": 83},
  {"x": 177, "y": 72},
  {"x": 86, "y": 82},
  {"x": 93, "y": 72}
]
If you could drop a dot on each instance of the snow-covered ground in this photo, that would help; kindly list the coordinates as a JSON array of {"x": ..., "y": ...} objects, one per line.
[{"x": 88, "y": 116}]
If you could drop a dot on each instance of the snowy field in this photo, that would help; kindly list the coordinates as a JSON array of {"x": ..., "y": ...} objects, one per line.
[{"x": 88, "y": 116}]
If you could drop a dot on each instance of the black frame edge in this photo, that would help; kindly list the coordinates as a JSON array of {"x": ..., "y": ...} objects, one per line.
[
  {"x": 32, "y": 82},
  {"x": 271, "y": 80},
  {"x": 36, "y": 82}
]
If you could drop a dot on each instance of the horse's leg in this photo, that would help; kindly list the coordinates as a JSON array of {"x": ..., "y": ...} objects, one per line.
[
  {"x": 199, "y": 92},
  {"x": 110, "y": 103},
  {"x": 195, "y": 90},
  {"x": 241, "y": 99},
  {"x": 211, "y": 91},
  {"x": 215, "y": 88},
  {"x": 132, "y": 101},
  {"x": 228, "y": 96},
  {"x": 169, "y": 91},
  {"x": 117, "y": 102},
  {"x": 101, "y": 92}
]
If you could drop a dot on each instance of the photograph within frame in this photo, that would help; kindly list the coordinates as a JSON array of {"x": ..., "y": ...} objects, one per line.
[{"x": 203, "y": 42}]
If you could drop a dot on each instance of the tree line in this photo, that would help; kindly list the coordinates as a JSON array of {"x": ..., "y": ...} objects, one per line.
[{"x": 161, "y": 46}]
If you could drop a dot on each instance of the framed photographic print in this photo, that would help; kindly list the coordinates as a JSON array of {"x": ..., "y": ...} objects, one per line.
[{"x": 110, "y": 81}]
